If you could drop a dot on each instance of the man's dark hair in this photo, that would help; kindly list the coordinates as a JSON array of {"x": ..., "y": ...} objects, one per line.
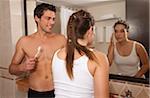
[{"x": 39, "y": 10}]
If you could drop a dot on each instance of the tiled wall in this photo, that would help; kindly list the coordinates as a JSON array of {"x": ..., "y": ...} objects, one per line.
[{"x": 123, "y": 89}]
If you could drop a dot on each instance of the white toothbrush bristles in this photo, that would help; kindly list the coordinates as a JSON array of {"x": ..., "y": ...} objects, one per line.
[{"x": 38, "y": 52}]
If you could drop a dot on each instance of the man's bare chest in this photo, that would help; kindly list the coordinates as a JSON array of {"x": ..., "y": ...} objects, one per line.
[{"x": 46, "y": 50}]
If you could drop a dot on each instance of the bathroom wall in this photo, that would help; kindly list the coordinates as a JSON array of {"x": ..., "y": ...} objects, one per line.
[
  {"x": 31, "y": 25},
  {"x": 11, "y": 29},
  {"x": 57, "y": 27},
  {"x": 5, "y": 33},
  {"x": 118, "y": 9},
  {"x": 124, "y": 89}
]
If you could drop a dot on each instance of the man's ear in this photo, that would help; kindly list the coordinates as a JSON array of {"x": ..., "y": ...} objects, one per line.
[{"x": 36, "y": 19}]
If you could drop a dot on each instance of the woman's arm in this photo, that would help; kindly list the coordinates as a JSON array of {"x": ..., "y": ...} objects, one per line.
[
  {"x": 141, "y": 52},
  {"x": 110, "y": 53},
  {"x": 101, "y": 78}
]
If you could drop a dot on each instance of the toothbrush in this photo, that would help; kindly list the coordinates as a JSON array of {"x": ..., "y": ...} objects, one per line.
[{"x": 38, "y": 52}]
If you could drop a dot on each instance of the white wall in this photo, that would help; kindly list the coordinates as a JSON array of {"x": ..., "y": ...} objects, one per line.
[
  {"x": 16, "y": 20},
  {"x": 11, "y": 28},
  {"x": 31, "y": 4},
  {"x": 117, "y": 9},
  {"x": 5, "y": 33}
]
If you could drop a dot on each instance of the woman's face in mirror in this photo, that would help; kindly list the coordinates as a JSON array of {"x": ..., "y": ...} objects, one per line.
[{"x": 120, "y": 32}]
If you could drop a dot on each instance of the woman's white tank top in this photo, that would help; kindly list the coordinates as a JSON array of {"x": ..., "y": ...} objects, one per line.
[
  {"x": 82, "y": 84},
  {"x": 127, "y": 65}
]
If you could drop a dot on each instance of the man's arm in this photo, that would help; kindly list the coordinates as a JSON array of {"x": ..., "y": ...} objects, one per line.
[
  {"x": 63, "y": 41},
  {"x": 19, "y": 63},
  {"x": 18, "y": 57}
]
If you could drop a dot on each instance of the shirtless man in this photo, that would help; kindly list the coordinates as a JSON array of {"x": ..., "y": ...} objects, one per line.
[{"x": 39, "y": 66}]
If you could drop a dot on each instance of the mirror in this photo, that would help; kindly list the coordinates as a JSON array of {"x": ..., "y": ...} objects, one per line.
[{"x": 105, "y": 14}]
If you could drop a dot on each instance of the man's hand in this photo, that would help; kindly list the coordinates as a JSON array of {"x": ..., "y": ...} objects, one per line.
[{"x": 28, "y": 65}]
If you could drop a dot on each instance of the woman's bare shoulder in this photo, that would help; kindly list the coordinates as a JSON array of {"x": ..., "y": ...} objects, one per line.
[
  {"x": 99, "y": 54},
  {"x": 101, "y": 57},
  {"x": 140, "y": 49},
  {"x": 138, "y": 45},
  {"x": 62, "y": 53}
]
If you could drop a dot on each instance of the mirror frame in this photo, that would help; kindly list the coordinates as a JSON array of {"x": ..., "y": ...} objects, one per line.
[
  {"x": 25, "y": 17},
  {"x": 128, "y": 78},
  {"x": 111, "y": 76}
]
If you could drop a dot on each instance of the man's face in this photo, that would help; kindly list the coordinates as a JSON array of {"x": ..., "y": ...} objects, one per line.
[{"x": 47, "y": 21}]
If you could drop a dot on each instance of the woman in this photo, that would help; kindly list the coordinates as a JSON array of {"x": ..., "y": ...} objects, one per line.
[
  {"x": 78, "y": 71},
  {"x": 127, "y": 53}
]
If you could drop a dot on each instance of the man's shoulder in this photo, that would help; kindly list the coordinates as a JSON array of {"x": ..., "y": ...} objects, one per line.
[
  {"x": 60, "y": 36},
  {"x": 24, "y": 39}
]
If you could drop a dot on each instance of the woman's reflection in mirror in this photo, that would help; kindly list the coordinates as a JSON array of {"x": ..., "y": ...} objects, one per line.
[{"x": 126, "y": 53}]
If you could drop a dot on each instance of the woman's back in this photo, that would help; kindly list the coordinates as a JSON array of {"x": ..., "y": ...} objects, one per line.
[{"x": 81, "y": 86}]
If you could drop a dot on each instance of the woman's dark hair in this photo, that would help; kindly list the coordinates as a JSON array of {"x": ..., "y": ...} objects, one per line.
[
  {"x": 123, "y": 23},
  {"x": 79, "y": 23},
  {"x": 39, "y": 10}
]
